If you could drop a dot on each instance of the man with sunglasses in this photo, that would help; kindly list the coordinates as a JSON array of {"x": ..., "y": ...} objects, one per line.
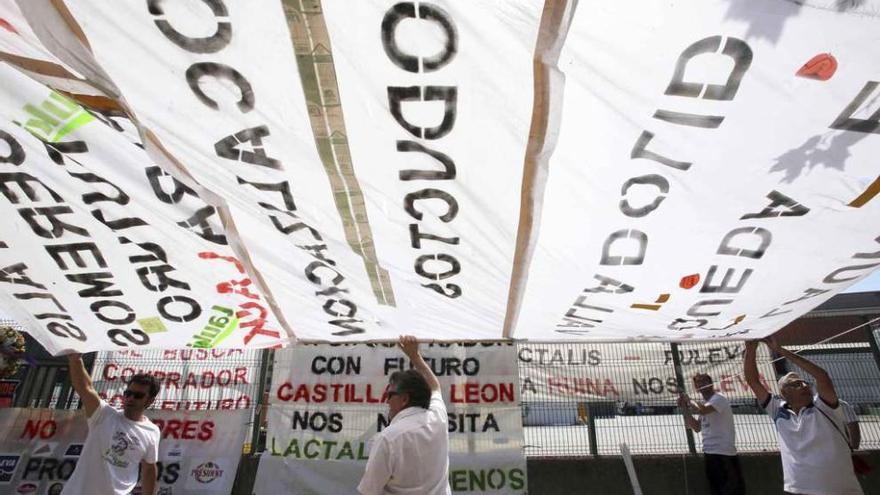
[
  {"x": 810, "y": 429},
  {"x": 119, "y": 441},
  {"x": 411, "y": 455}
]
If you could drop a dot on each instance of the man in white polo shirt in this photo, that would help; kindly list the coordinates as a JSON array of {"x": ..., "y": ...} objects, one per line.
[
  {"x": 411, "y": 455},
  {"x": 810, "y": 429},
  {"x": 719, "y": 436}
]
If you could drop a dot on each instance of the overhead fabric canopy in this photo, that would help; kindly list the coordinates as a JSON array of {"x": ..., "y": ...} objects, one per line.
[{"x": 209, "y": 173}]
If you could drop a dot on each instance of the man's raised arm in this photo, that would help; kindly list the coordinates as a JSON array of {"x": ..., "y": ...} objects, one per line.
[
  {"x": 824, "y": 385},
  {"x": 82, "y": 383},
  {"x": 750, "y": 370},
  {"x": 410, "y": 346}
]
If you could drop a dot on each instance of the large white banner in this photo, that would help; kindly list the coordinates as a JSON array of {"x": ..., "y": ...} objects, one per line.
[
  {"x": 198, "y": 451},
  {"x": 378, "y": 235},
  {"x": 543, "y": 170},
  {"x": 110, "y": 251},
  {"x": 715, "y": 173},
  {"x": 327, "y": 402}
]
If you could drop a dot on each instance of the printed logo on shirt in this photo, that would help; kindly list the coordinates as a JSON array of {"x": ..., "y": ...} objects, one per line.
[
  {"x": 783, "y": 414},
  {"x": 8, "y": 463},
  {"x": 74, "y": 450},
  {"x": 207, "y": 472},
  {"x": 115, "y": 455}
]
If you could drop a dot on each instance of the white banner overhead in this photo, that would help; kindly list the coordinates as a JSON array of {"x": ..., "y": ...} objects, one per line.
[
  {"x": 714, "y": 172},
  {"x": 109, "y": 251},
  {"x": 543, "y": 170}
]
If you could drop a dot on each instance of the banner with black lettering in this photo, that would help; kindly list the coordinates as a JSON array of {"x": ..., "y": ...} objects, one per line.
[
  {"x": 638, "y": 372},
  {"x": 327, "y": 403},
  {"x": 715, "y": 174},
  {"x": 110, "y": 251},
  {"x": 198, "y": 451},
  {"x": 190, "y": 379},
  {"x": 369, "y": 251},
  {"x": 543, "y": 170}
]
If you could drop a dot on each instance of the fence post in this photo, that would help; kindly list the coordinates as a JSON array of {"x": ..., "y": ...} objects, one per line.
[
  {"x": 872, "y": 341},
  {"x": 265, "y": 356},
  {"x": 679, "y": 379},
  {"x": 591, "y": 430}
]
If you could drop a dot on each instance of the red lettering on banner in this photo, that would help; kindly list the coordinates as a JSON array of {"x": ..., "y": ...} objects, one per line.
[
  {"x": 349, "y": 393},
  {"x": 242, "y": 402},
  {"x": 171, "y": 380},
  {"x": 736, "y": 383},
  {"x": 476, "y": 393},
  {"x": 39, "y": 428},
  {"x": 602, "y": 387},
  {"x": 185, "y": 429},
  {"x": 257, "y": 325}
]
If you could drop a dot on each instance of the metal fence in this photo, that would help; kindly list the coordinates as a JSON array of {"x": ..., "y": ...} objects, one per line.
[
  {"x": 627, "y": 395},
  {"x": 578, "y": 399}
]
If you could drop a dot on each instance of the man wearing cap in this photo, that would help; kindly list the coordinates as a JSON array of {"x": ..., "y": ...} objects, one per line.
[
  {"x": 719, "y": 436},
  {"x": 411, "y": 455},
  {"x": 810, "y": 429}
]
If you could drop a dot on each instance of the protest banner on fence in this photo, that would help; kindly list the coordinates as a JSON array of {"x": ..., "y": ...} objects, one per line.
[
  {"x": 7, "y": 392},
  {"x": 328, "y": 401},
  {"x": 198, "y": 452},
  {"x": 632, "y": 372},
  {"x": 190, "y": 379}
]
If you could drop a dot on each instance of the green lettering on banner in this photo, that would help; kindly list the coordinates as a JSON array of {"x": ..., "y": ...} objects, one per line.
[
  {"x": 322, "y": 450},
  {"x": 486, "y": 480},
  {"x": 54, "y": 118},
  {"x": 217, "y": 330}
]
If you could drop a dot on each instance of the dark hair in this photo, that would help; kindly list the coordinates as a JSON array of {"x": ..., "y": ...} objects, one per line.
[
  {"x": 703, "y": 377},
  {"x": 148, "y": 380},
  {"x": 413, "y": 384}
]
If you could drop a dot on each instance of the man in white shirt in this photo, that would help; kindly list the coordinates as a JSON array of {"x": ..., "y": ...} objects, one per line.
[
  {"x": 719, "y": 436},
  {"x": 411, "y": 455},
  {"x": 119, "y": 442},
  {"x": 853, "y": 430},
  {"x": 815, "y": 455}
]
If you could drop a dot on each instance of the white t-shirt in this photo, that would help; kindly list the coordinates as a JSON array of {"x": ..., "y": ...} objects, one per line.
[
  {"x": 719, "y": 435},
  {"x": 112, "y": 453},
  {"x": 849, "y": 414},
  {"x": 815, "y": 456},
  {"x": 411, "y": 455}
]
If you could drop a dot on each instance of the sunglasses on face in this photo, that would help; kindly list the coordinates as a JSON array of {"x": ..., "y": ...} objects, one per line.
[
  {"x": 797, "y": 384},
  {"x": 134, "y": 394}
]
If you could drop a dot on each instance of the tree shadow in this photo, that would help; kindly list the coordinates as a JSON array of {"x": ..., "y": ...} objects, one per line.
[
  {"x": 829, "y": 150},
  {"x": 817, "y": 151},
  {"x": 770, "y": 27}
]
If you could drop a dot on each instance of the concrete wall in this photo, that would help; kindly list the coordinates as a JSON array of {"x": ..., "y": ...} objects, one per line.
[{"x": 661, "y": 475}]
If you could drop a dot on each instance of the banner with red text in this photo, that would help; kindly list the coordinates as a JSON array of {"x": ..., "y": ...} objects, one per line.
[
  {"x": 328, "y": 401},
  {"x": 198, "y": 451},
  {"x": 545, "y": 170},
  {"x": 109, "y": 250},
  {"x": 632, "y": 373},
  {"x": 190, "y": 379},
  {"x": 715, "y": 173}
]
